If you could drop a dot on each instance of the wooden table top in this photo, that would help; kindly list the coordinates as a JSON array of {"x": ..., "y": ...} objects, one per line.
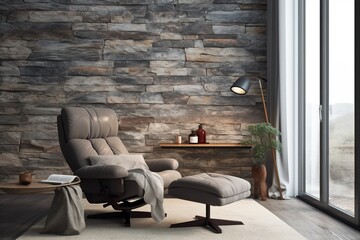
[{"x": 34, "y": 187}]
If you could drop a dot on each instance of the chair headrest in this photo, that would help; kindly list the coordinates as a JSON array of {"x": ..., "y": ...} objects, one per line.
[{"x": 89, "y": 123}]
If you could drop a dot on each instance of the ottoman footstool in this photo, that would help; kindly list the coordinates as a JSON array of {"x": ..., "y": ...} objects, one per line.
[{"x": 212, "y": 189}]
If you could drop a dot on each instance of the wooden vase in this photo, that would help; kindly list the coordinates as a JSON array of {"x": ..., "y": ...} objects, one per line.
[{"x": 259, "y": 177}]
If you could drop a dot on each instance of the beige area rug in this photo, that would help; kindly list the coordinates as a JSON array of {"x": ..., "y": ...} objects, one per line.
[{"x": 259, "y": 224}]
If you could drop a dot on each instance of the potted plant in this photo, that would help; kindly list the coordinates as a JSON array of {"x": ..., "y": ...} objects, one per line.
[{"x": 263, "y": 140}]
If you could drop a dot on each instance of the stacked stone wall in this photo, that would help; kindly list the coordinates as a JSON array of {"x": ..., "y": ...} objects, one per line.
[{"x": 163, "y": 66}]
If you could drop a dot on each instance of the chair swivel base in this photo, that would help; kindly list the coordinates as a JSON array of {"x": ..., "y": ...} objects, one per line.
[
  {"x": 208, "y": 222},
  {"x": 125, "y": 211},
  {"x": 126, "y": 215}
]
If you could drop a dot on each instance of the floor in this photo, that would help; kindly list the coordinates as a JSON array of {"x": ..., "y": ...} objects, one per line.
[
  {"x": 18, "y": 212},
  {"x": 309, "y": 221}
]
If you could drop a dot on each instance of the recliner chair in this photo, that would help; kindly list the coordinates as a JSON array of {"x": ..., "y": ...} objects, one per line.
[{"x": 85, "y": 132}]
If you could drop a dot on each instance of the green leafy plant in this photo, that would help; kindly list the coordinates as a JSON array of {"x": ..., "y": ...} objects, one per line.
[{"x": 264, "y": 139}]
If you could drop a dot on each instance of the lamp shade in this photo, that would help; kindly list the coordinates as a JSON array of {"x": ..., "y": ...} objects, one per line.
[{"x": 241, "y": 86}]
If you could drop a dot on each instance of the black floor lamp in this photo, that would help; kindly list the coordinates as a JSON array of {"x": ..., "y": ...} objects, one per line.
[{"x": 241, "y": 87}]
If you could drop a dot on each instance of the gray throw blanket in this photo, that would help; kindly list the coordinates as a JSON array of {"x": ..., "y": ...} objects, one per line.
[
  {"x": 153, "y": 186},
  {"x": 151, "y": 182},
  {"x": 66, "y": 215}
]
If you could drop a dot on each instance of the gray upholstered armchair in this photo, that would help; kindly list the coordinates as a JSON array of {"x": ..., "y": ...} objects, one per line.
[{"x": 85, "y": 132}]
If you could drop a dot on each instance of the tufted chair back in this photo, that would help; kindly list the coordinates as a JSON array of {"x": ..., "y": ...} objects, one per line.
[{"x": 85, "y": 132}]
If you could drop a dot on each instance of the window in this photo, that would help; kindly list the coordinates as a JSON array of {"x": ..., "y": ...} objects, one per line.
[{"x": 329, "y": 168}]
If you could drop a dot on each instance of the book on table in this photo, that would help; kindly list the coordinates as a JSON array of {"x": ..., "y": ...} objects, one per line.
[{"x": 60, "y": 179}]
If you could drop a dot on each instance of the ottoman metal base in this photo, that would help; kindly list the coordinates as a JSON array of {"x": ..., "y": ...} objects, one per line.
[{"x": 208, "y": 222}]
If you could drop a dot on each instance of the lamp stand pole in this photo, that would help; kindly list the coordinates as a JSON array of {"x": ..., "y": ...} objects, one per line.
[{"x": 272, "y": 150}]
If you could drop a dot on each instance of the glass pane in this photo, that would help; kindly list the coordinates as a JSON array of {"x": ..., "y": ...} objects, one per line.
[
  {"x": 312, "y": 97},
  {"x": 341, "y": 101}
]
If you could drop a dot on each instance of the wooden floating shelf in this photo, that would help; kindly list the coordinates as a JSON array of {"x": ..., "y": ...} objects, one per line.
[{"x": 204, "y": 145}]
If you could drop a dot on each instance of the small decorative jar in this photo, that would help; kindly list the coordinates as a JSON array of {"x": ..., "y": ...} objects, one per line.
[
  {"x": 178, "y": 139},
  {"x": 193, "y": 138}
]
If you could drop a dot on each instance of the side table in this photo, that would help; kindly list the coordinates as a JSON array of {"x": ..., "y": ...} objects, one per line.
[
  {"x": 59, "y": 220},
  {"x": 34, "y": 187}
]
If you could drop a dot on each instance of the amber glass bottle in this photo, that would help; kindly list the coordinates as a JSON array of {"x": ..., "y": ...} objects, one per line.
[{"x": 201, "y": 134}]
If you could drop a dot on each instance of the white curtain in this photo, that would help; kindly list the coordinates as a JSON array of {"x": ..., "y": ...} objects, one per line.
[{"x": 283, "y": 79}]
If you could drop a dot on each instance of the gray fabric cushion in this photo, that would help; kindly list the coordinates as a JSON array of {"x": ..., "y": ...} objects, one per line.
[
  {"x": 205, "y": 197},
  {"x": 210, "y": 188},
  {"x": 217, "y": 184},
  {"x": 128, "y": 161}
]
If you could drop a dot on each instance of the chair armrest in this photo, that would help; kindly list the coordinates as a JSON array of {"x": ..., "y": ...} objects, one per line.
[
  {"x": 101, "y": 171},
  {"x": 161, "y": 164}
]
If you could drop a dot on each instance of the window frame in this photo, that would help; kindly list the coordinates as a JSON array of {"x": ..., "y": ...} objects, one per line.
[{"x": 323, "y": 203}]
